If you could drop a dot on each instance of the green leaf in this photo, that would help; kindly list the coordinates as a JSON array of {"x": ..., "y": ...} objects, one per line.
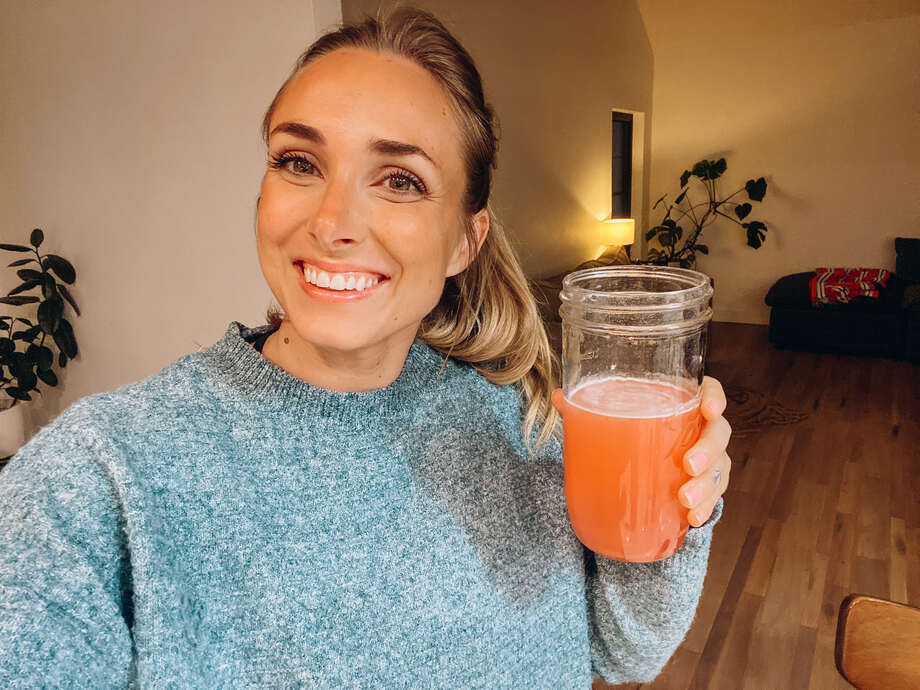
[
  {"x": 37, "y": 238},
  {"x": 18, "y": 300},
  {"x": 63, "y": 338},
  {"x": 681, "y": 197},
  {"x": 61, "y": 266},
  {"x": 701, "y": 169},
  {"x": 49, "y": 287},
  {"x": 14, "y": 248},
  {"x": 678, "y": 232},
  {"x": 22, "y": 262},
  {"x": 67, "y": 296},
  {"x": 756, "y": 189},
  {"x": 718, "y": 168},
  {"x": 48, "y": 376},
  {"x": 684, "y": 178},
  {"x": 18, "y": 364},
  {"x": 6, "y": 347},
  {"x": 29, "y": 335},
  {"x": 28, "y": 285},
  {"x": 686, "y": 263},
  {"x": 45, "y": 357},
  {"x": 49, "y": 314},
  {"x": 756, "y": 232},
  {"x": 14, "y": 392},
  {"x": 27, "y": 381},
  {"x": 651, "y": 233},
  {"x": 62, "y": 360},
  {"x": 29, "y": 274},
  {"x": 702, "y": 249},
  {"x": 743, "y": 210}
]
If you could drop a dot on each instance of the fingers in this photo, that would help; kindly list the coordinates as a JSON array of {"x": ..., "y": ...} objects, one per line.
[
  {"x": 557, "y": 400},
  {"x": 712, "y": 398},
  {"x": 701, "y": 494},
  {"x": 711, "y": 444}
]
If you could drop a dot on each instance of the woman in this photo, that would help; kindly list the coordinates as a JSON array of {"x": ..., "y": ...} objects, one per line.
[{"x": 328, "y": 500}]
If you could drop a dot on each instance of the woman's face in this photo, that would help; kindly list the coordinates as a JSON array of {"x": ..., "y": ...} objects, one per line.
[{"x": 364, "y": 183}]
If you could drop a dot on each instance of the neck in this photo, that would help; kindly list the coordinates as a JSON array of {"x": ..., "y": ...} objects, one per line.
[{"x": 353, "y": 371}]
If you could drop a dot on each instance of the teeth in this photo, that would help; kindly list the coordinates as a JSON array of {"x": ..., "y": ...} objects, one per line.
[{"x": 338, "y": 281}]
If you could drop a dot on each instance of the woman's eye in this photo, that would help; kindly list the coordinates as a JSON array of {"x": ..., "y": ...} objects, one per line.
[
  {"x": 299, "y": 164},
  {"x": 403, "y": 182}
]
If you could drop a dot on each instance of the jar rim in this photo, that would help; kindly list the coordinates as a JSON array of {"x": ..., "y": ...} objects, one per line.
[{"x": 697, "y": 288}]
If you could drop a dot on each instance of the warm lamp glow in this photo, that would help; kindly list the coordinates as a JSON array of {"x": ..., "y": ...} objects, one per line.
[{"x": 619, "y": 231}]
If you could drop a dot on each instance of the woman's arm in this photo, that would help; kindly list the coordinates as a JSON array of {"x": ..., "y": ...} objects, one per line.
[
  {"x": 639, "y": 613},
  {"x": 63, "y": 566}
]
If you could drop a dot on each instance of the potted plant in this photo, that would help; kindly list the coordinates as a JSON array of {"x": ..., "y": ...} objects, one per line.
[
  {"x": 25, "y": 357},
  {"x": 671, "y": 250}
]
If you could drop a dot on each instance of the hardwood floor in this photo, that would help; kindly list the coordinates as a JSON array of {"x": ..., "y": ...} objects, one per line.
[{"x": 815, "y": 510}]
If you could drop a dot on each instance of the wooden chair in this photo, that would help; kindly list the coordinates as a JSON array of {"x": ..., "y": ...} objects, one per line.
[{"x": 878, "y": 643}]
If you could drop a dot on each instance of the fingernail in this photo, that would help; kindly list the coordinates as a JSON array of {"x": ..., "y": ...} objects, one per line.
[
  {"x": 697, "y": 461},
  {"x": 692, "y": 496}
]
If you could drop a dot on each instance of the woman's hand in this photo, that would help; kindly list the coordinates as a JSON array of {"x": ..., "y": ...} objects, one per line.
[{"x": 706, "y": 461}]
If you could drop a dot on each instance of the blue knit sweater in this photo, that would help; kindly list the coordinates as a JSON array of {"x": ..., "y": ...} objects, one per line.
[{"x": 223, "y": 524}]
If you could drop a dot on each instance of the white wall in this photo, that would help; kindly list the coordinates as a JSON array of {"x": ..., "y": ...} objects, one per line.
[
  {"x": 820, "y": 98},
  {"x": 130, "y": 134}
]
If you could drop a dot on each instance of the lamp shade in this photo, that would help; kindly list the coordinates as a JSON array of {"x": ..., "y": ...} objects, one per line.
[{"x": 619, "y": 231}]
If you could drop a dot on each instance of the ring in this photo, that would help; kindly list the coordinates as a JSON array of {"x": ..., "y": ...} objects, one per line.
[{"x": 716, "y": 476}]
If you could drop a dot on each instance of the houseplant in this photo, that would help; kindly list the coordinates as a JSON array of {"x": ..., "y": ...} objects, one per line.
[
  {"x": 678, "y": 245},
  {"x": 25, "y": 358}
]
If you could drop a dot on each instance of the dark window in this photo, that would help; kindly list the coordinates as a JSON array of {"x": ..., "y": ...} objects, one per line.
[{"x": 622, "y": 165}]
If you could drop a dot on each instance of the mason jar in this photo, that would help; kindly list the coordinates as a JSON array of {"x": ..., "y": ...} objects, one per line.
[{"x": 634, "y": 342}]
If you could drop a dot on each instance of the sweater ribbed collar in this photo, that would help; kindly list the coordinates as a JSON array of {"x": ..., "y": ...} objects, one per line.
[{"x": 237, "y": 364}]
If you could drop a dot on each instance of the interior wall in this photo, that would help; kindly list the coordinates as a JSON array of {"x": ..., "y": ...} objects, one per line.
[
  {"x": 131, "y": 136},
  {"x": 553, "y": 72},
  {"x": 820, "y": 99}
]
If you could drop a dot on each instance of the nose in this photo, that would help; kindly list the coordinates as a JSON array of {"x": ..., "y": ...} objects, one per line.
[{"x": 333, "y": 224}]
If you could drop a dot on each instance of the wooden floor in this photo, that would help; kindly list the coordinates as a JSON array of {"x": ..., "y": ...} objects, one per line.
[{"x": 814, "y": 511}]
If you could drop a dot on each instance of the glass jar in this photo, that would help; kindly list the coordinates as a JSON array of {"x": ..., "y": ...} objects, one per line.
[{"x": 634, "y": 342}]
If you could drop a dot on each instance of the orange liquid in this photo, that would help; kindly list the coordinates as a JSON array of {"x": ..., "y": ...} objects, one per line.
[{"x": 624, "y": 442}]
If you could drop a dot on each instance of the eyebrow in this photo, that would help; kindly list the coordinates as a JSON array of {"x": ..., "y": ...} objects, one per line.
[{"x": 385, "y": 146}]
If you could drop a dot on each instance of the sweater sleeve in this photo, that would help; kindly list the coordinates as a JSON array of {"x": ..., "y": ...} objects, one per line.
[
  {"x": 64, "y": 590},
  {"x": 639, "y": 613}
]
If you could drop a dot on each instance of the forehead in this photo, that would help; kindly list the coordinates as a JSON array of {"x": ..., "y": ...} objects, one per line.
[{"x": 356, "y": 94}]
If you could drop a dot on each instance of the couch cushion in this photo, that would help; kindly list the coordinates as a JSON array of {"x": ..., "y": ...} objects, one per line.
[{"x": 908, "y": 261}]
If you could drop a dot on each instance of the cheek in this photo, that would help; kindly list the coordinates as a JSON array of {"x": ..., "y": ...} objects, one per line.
[{"x": 279, "y": 211}]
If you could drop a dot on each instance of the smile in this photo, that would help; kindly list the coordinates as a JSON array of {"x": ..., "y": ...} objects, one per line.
[
  {"x": 339, "y": 281},
  {"x": 337, "y": 287}
]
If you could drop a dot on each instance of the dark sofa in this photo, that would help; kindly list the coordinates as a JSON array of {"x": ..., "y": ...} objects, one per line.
[{"x": 888, "y": 325}]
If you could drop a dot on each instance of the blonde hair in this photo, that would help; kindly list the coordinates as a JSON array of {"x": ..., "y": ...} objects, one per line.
[{"x": 487, "y": 315}]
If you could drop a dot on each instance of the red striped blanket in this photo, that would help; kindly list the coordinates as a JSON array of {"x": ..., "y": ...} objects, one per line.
[{"x": 839, "y": 285}]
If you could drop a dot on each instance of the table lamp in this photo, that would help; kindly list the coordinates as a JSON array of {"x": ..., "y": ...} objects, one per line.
[{"x": 617, "y": 233}]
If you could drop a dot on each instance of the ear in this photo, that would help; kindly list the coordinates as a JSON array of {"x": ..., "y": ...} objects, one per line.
[{"x": 462, "y": 257}]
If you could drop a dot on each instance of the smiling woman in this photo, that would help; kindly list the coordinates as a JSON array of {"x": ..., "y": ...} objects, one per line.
[{"x": 367, "y": 491}]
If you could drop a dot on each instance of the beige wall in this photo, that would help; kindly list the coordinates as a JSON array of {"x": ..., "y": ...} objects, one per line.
[
  {"x": 553, "y": 71},
  {"x": 130, "y": 134},
  {"x": 820, "y": 98}
]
